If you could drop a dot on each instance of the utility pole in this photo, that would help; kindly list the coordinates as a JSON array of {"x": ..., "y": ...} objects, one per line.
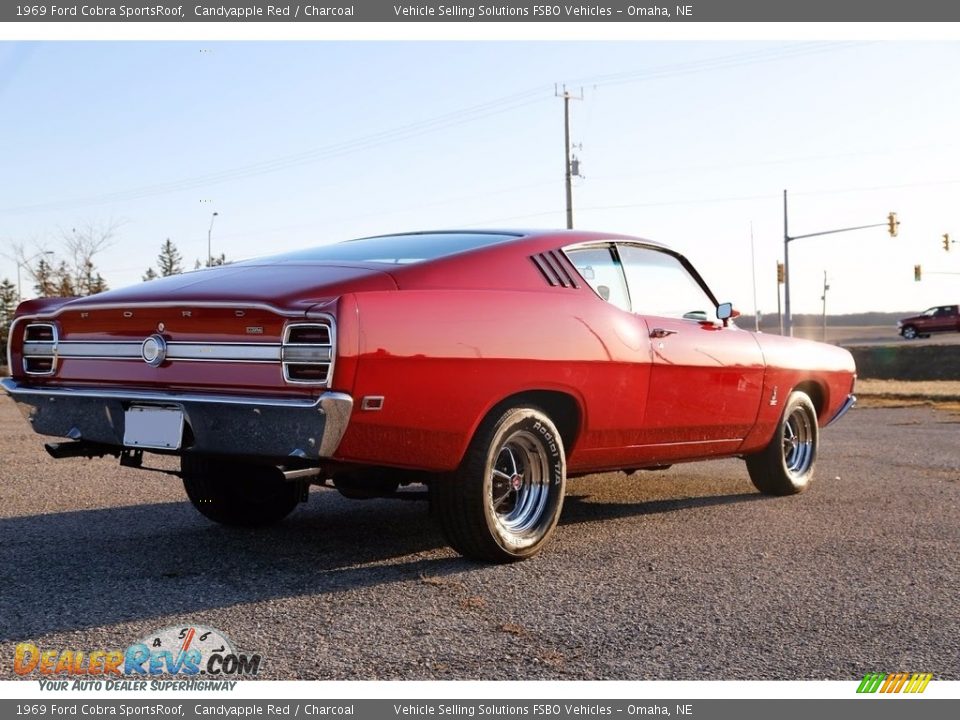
[
  {"x": 780, "y": 278},
  {"x": 787, "y": 326},
  {"x": 892, "y": 225},
  {"x": 753, "y": 272},
  {"x": 824, "y": 298},
  {"x": 568, "y": 163}
]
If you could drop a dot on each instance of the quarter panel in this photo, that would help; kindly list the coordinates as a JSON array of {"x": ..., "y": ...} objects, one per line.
[{"x": 442, "y": 359}]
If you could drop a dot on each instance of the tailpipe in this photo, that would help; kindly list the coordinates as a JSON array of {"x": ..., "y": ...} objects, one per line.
[{"x": 79, "y": 448}]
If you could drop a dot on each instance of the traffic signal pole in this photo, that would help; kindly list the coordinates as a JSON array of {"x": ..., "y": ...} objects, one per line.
[
  {"x": 787, "y": 327},
  {"x": 892, "y": 224}
]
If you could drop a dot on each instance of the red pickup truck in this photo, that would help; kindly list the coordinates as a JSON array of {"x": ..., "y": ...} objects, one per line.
[{"x": 942, "y": 318}]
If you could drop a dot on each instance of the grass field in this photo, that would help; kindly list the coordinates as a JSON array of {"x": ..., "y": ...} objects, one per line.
[{"x": 944, "y": 394}]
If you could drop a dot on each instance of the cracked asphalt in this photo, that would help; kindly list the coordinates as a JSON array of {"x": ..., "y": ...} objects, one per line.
[{"x": 686, "y": 573}]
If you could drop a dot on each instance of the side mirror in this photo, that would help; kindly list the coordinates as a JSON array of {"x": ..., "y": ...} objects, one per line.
[{"x": 725, "y": 312}]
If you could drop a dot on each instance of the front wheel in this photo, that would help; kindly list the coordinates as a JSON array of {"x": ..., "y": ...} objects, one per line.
[
  {"x": 504, "y": 501},
  {"x": 785, "y": 466},
  {"x": 235, "y": 493},
  {"x": 909, "y": 333}
]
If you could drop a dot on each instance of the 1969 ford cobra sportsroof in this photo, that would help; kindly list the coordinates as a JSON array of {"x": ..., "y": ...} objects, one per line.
[{"x": 490, "y": 366}]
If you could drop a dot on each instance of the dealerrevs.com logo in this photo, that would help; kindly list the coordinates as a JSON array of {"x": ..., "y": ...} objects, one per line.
[
  {"x": 189, "y": 651},
  {"x": 910, "y": 683}
]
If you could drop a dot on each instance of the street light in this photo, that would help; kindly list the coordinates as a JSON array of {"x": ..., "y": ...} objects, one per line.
[
  {"x": 892, "y": 226},
  {"x": 209, "y": 233},
  {"x": 26, "y": 264}
]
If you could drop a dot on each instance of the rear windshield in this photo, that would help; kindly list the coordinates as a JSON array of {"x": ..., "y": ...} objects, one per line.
[{"x": 393, "y": 249}]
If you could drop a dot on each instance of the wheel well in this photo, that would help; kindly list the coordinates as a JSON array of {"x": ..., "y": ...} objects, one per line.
[
  {"x": 563, "y": 409},
  {"x": 815, "y": 392}
]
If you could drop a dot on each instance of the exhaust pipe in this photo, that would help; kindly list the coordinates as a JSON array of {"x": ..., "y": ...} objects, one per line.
[{"x": 79, "y": 448}]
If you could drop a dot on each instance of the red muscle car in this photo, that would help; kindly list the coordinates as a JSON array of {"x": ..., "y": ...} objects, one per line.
[{"x": 489, "y": 366}]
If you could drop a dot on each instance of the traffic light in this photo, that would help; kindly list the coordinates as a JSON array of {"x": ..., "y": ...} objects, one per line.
[
  {"x": 780, "y": 273},
  {"x": 892, "y": 224},
  {"x": 916, "y": 273},
  {"x": 946, "y": 242}
]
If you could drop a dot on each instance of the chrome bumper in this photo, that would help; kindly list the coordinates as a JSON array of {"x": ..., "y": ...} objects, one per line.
[
  {"x": 850, "y": 402},
  {"x": 216, "y": 424}
]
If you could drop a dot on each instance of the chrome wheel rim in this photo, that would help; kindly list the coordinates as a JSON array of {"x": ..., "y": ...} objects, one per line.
[
  {"x": 519, "y": 483},
  {"x": 798, "y": 434},
  {"x": 909, "y": 333}
]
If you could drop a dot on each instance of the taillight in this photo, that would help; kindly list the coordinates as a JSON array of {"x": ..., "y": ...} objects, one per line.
[
  {"x": 307, "y": 353},
  {"x": 40, "y": 349}
]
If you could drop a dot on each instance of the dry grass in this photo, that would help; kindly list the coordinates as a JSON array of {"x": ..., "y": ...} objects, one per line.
[{"x": 904, "y": 393}]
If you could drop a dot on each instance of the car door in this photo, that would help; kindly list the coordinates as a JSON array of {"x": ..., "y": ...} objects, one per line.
[
  {"x": 706, "y": 377},
  {"x": 943, "y": 319}
]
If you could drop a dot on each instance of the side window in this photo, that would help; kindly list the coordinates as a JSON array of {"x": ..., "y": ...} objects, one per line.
[
  {"x": 660, "y": 285},
  {"x": 602, "y": 272}
]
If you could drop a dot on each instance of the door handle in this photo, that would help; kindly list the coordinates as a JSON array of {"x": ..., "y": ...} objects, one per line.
[{"x": 661, "y": 333}]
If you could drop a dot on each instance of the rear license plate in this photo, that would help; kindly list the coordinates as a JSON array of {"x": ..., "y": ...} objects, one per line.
[{"x": 153, "y": 427}]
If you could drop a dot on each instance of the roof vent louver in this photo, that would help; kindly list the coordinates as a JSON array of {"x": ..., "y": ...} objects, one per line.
[{"x": 554, "y": 270}]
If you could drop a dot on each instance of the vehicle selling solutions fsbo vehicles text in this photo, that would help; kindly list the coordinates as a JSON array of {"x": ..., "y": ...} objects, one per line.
[{"x": 537, "y": 11}]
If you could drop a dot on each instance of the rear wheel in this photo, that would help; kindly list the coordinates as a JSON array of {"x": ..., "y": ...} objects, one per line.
[
  {"x": 235, "y": 493},
  {"x": 785, "y": 466},
  {"x": 504, "y": 501}
]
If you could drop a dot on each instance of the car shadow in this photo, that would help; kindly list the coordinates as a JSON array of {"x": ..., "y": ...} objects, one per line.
[
  {"x": 88, "y": 568},
  {"x": 584, "y": 508}
]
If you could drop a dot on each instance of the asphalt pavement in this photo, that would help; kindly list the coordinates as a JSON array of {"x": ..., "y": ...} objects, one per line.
[{"x": 686, "y": 573}]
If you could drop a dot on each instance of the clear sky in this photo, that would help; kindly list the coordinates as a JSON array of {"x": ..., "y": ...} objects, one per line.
[{"x": 688, "y": 143}]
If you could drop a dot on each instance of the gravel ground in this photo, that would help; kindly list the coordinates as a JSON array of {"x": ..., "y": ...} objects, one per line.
[{"x": 686, "y": 573}]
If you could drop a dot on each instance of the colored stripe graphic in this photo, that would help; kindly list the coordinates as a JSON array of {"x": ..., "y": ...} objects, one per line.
[
  {"x": 871, "y": 682},
  {"x": 894, "y": 682},
  {"x": 918, "y": 683}
]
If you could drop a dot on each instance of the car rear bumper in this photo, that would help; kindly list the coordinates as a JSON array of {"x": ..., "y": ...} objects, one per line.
[
  {"x": 849, "y": 403},
  {"x": 308, "y": 428}
]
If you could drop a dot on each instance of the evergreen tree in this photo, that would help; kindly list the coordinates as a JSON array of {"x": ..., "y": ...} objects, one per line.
[
  {"x": 8, "y": 305},
  {"x": 213, "y": 262},
  {"x": 97, "y": 285},
  {"x": 63, "y": 282},
  {"x": 169, "y": 260},
  {"x": 150, "y": 274},
  {"x": 45, "y": 282}
]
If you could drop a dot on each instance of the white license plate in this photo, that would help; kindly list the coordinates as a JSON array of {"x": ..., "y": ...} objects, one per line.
[{"x": 153, "y": 427}]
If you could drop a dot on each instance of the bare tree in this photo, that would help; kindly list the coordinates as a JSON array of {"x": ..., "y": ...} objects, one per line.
[
  {"x": 81, "y": 244},
  {"x": 73, "y": 272}
]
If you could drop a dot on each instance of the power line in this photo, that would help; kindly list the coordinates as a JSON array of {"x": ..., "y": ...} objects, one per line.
[
  {"x": 405, "y": 132},
  {"x": 447, "y": 120},
  {"x": 708, "y": 201},
  {"x": 715, "y": 63}
]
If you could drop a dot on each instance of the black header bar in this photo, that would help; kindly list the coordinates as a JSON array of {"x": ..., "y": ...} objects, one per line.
[{"x": 845, "y": 11}]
